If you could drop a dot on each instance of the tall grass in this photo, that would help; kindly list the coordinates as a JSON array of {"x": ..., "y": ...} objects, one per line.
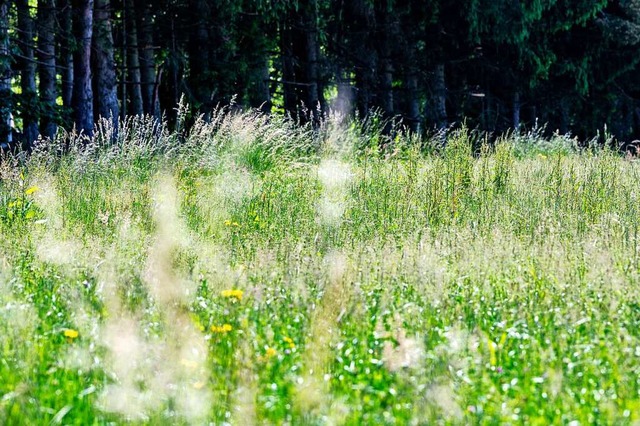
[{"x": 251, "y": 271}]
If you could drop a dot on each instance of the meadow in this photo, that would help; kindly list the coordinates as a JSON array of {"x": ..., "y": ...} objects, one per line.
[{"x": 250, "y": 271}]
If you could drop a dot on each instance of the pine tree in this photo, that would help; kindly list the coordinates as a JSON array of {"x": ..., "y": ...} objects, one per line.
[{"x": 82, "y": 100}]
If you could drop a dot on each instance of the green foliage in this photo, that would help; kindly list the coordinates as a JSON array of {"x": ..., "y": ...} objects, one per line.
[{"x": 182, "y": 279}]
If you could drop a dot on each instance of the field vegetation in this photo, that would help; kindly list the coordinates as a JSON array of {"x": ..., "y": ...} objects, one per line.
[{"x": 250, "y": 271}]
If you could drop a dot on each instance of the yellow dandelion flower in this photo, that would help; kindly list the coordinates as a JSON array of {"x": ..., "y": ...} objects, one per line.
[
  {"x": 222, "y": 329},
  {"x": 232, "y": 294},
  {"x": 31, "y": 190},
  {"x": 270, "y": 353},
  {"x": 289, "y": 342},
  {"x": 71, "y": 333},
  {"x": 227, "y": 223}
]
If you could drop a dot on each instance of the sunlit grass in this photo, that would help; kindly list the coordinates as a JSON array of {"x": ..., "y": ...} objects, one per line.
[{"x": 255, "y": 272}]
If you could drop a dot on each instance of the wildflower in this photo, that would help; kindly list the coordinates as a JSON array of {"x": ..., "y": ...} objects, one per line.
[
  {"x": 71, "y": 333},
  {"x": 231, "y": 223},
  {"x": 31, "y": 190},
  {"x": 268, "y": 354},
  {"x": 232, "y": 294},
  {"x": 289, "y": 342},
  {"x": 222, "y": 329}
]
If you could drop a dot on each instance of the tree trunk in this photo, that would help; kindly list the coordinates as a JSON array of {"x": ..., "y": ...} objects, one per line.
[
  {"x": 534, "y": 116},
  {"x": 290, "y": 97},
  {"x": 300, "y": 53},
  {"x": 66, "y": 52},
  {"x": 441, "y": 97},
  {"x": 413, "y": 102},
  {"x": 628, "y": 119},
  {"x": 133, "y": 60},
  {"x": 262, "y": 96},
  {"x": 105, "y": 68},
  {"x": 5, "y": 77},
  {"x": 366, "y": 57},
  {"x": 386, "y": 86},
  {"x": 144, "y": 13},
  {"x": 200, "y": 57},
  {"x": 385, "y": 33},
  {"x": 29, "y": 96},
  {"x": 312, "y": 51},
  {"x": 564, "y": 117},
  {"x": 82, "y": 100},
  {"x": 516, "y": 110},
  {"x": 344, "y": 100},
  {"x": 365, "y": 76},
  {"x": 167, "y": 94},
  {"x": 47, "y": 17}
]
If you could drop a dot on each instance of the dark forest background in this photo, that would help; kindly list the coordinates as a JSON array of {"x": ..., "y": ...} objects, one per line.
[{"x": 494, "y": 64}]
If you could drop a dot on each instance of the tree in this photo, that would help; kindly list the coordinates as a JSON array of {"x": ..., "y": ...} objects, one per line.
[
  {"x": 28, "y": 97},
  {"x": 134, "y": 80},
  {"x": 67, "y": 46},
  {"x": 47, "y": 16},
  {"x": 148, "y": 76},
  {"x": 5, "y": 77},
  {"x": 300, "y": 61},
  {"x": 104, "y": 64},
  {"x": 82, "y": 100}
]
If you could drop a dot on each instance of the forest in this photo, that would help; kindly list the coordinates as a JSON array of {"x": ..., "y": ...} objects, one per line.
[{"x": 570, "y": 66}]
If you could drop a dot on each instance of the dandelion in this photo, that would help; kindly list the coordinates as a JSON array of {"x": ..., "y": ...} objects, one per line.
[
  {"x": 71, "y": 333},
  {"x": 222, "y": 329},
  {"x": 270, "y": 353},
  {"x": 231, "y": 223},
  {"x": 289, "y": 342},
  {"x": 232, "y": 294},
  {"x": 31, "y": 190}
]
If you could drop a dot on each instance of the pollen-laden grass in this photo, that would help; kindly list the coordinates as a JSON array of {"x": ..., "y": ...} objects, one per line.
[{"x": 254, "y": 272}]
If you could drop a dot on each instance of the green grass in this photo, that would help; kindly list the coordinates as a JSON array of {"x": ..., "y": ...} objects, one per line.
[{"x": 377, "y": 286}]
